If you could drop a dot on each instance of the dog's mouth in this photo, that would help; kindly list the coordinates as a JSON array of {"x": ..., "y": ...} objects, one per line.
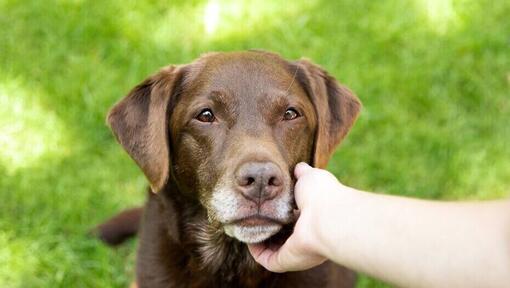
[
  {"x": 254, "y": 229},
  {"x": 256, "y": 220},
  {"x": 250, "y": 222}
]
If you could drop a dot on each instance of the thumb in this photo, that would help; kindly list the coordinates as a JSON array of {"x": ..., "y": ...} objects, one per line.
[
  {"x": 266, "y": 256},
  {"x": 301, "y": 168},
  {"x": 275, "y": 258}
]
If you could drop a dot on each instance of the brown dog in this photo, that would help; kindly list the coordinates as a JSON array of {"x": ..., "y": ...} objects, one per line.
[{"x": 218, "y": 140}]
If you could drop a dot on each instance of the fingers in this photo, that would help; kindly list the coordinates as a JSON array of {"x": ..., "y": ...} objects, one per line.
[
  {"x": 302, "y": 187},
  {"x": 301, "y": 168},
  {"x": 277, "y": 259},
  {"x": 289, "y": 257},
  {"x": 266, "y": 257}
]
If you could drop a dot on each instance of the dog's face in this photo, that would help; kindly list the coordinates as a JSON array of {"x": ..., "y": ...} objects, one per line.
[
  {"x": 238, "y": 130},
  {"x": 229, "y": 128}
]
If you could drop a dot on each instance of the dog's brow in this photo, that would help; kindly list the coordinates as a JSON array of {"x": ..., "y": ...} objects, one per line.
[
  {"x": 219, "y": 96},
  {"x": 224, "y": 99},
  {"x": 274, "y": 100},
  {"x": 293, "y": 79}
]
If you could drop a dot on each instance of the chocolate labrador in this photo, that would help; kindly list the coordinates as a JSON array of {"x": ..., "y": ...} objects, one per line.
[{"x": 218, "y": 140}]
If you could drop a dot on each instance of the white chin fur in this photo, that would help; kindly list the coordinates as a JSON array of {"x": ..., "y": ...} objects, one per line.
[{"x": 251, "y": 234}]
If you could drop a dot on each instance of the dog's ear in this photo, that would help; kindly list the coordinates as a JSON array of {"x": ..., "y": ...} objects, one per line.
[
  {"x": 140, "y": 124},
  {"x": 336, "y": 107}
]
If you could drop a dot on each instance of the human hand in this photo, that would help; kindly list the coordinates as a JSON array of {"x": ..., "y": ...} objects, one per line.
[{"x": 303, "y": 249}]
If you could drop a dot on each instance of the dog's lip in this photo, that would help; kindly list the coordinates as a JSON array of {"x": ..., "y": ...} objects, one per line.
[{"x": 255, "y": 220}]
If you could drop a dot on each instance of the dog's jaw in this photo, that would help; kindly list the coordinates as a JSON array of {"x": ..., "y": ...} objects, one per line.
[
  {"x": 227, "y": 207},
  {"x": 251, "y": 234}
]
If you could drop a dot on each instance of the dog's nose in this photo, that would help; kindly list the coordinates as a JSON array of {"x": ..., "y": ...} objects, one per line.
[{"x": 259, "y": 181}]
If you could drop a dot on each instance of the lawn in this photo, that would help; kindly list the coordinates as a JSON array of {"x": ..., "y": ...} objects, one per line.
[{"x": 433, "y": 75}]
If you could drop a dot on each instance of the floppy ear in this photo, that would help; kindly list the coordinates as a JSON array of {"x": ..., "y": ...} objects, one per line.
[
  {"x": 336, "y": 107},
  {"x": 140, "y": 124}
]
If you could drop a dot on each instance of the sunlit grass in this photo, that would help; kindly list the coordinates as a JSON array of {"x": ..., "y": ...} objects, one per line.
[
  {"x": 227, "y": 18},
  {"x": 211, "y": 16},
  {"x": 214, "y": 20},
  {"x": 441, "y": 15},
  {"x": 28, "y": 131},
  {"x": 432, "y": 75}
]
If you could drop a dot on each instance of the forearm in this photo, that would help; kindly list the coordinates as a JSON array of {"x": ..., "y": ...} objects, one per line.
[{"x": 420, "y": 243}]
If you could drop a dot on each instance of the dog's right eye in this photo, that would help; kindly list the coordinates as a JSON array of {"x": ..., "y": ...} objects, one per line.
[{"x": 206, "y": 115}]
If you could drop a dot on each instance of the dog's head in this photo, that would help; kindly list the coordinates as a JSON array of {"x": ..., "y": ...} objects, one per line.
[{"x": 229, "y": 128}]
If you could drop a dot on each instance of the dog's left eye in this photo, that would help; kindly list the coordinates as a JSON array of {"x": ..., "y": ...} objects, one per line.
[
  {"x": 206, "y": 116},
  {"x": 290, "y": 114}
]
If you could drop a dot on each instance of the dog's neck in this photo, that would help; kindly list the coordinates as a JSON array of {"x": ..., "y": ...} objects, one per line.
[{"x": 206, "y": 248}]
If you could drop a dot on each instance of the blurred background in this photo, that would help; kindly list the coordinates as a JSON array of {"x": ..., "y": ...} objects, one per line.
[{"x": 433, "y": 75}]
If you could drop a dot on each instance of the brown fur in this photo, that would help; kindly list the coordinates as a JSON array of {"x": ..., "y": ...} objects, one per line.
[{"x": 182, "y": 242}]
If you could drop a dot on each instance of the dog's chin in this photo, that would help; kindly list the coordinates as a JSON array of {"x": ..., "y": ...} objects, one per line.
[{"x": 252, "y": 234}]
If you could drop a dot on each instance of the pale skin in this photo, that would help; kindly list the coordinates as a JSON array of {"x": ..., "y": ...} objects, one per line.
[{"x": 403, "y": 241}]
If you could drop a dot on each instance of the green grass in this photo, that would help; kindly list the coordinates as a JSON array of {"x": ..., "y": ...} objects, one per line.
[{"x": 434, "y": 77}]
